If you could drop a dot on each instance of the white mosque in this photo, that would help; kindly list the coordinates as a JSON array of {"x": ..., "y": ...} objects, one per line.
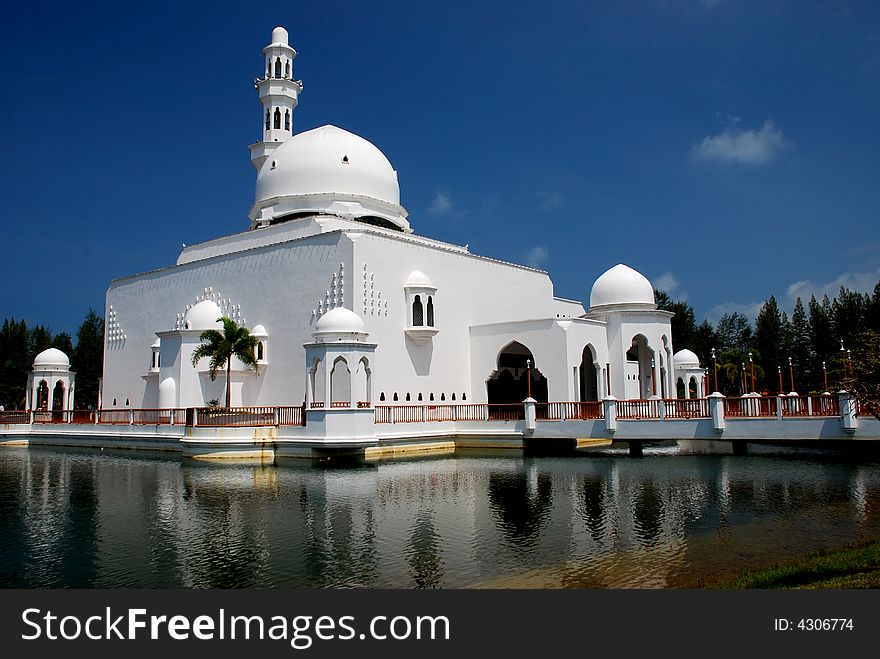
[{"x": 353, "y": 309}]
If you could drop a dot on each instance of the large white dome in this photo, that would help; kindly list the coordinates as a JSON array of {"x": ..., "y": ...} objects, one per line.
[
  {"x": 203, "y": 316},
  {"x": 51, "y": 359},
  {"x": 621, "y": 285},
  {"x": 686, "y": 357},
  {"x": 328, "y": 170}
]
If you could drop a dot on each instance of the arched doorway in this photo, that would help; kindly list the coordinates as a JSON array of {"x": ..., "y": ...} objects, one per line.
[
  {"x": 588, "y": 377},
  {"x": 58, "y": 396},
  {"x": 42, "y": 396},
  {"x": 693, "y": 388},
  {"x": 340, "y": 384},
  {"x": 639, "y": 376},
  {"x": 679, "y": 388},
  {"x": 509, "y": 382}
]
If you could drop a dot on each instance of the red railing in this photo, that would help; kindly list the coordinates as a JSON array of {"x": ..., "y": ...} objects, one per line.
[
  {"x": 363, "y": 403},
  {"x": 340, "y": 403},
  {"x": 825, "y": 405},
  {"x": 749, "y": 407},
  {"x": 574, "y": 411},
  {"x": 795, "y": 406},
  {"x": 15, "y": 416},
  {"x": 114, "y": 416},
  {"x": 291, "y": 416},
  {"x": 686, "y": 408},
  {"x": 436, "y": 413},
  {"x": 316, "y": 404},
  {"x": 638, "y": 409},
  {"x": 506, "y": 412},
  {"x": 231, "y": 417}
]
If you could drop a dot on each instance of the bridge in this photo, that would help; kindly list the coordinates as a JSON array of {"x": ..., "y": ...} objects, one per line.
[{"x": 710, "y": 424}]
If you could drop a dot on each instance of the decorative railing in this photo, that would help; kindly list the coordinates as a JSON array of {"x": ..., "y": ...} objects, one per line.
[
  {"x": 15, "y": 416},
  {"x": 750, "y": 407},
  {"x": 233, "y": 417},
  {"x": 638, "y": 409},
  {"x": 340, "y": 403},
  {"x": 565, "y": 411},
  {"x": 435, "y": 413},
  {"x": 686, "y": 408},
  {"x": 825, "y": 405},
  {"x": 291, "y": 416}
]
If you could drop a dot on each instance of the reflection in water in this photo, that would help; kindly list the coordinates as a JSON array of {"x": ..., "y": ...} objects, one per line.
[
  {"x": 422, "y": 553},
  {"x": 521, "y": 501},
  {"x": 74, "y": 519}
]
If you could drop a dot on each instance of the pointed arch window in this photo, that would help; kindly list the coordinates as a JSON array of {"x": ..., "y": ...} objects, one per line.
[
  {"x": 430, "y": 311},
  {"x": 418, "y": 314},
  {"x": 395, "y": 397},
  {"x": 278, "y": 67},
  {"x": 277, "y": 118},
  {"x": 268, "y": 118},
  {"x": 287, "y": 120},
  {"x": 287, "y": 68}
]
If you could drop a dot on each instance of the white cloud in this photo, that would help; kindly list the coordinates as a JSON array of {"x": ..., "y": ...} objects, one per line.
[
  {"x": 548, "y": 201},
  {"x": 537, "y": 256},
  {"x": 735, "y": 144},
  {"x": 862, "y": 282},
  {"x": 442, "y": 204},
  {"x": 668, "y": 283}
]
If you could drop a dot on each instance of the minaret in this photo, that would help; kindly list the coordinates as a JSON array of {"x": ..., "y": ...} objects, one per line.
[{"x": 279, "y": 93}]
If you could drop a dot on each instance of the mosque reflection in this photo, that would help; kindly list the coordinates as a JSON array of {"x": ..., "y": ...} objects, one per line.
[{"x": 84, "y": 520}]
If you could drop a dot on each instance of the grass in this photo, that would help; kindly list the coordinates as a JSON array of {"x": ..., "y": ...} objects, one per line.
[{"x": 853, "y": 567}]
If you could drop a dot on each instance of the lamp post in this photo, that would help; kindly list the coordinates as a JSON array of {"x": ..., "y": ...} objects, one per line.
[
  {"x": 752, "y": 366},
  {"x": 715, "y": 367},
  {"x": 653, "y": 379},
  {"x": 528, "y": 378},
  {"x": 781, "y": 391},
  {"x": 848, "y": 363},
  {"x": 825, "y": 376},
  {"x": 743, "y": 365},
  {"x": 791, "y": 374}
]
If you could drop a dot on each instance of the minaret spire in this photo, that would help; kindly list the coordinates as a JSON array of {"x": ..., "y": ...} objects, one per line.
[{"x": 279, "y": 94}]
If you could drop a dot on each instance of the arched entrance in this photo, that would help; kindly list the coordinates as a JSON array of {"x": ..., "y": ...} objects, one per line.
[
  {"x": 509, "y": 382},
  {"x": 640, "y": 367},
  {"x": 42, "y": 396},
  {"x": 588, "y": 377}
]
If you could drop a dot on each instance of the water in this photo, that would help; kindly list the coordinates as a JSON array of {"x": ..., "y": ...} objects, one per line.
[{"x": 95, "y": 519}]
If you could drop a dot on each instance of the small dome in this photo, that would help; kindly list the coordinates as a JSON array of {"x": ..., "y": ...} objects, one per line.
[
  {"x": 340, "y": 321},
  {"x": 685, "y": 358},
  {"x": 52, "y": 358},
  {"x": 328, "y": 170},
  {"x": 419, "y": 279},
  {"x": 203, "y": 316},
  {"x": 259, "y": 331},
  {"x": 622, "y": 285},
  {"x": 279, "y": 35}
]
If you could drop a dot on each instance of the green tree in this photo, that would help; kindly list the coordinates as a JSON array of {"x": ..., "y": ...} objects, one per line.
[
  {"x": 221, "y": 347},
  {"x": 684, "y": 322},
  {"x": 822, "y": 335},
  {"x": 771, "y": 337},
  {"x": 39, "y": 339},
  {"x": 802, "y": 348},
  {"x": 734, "y": 332},
  {"x": 850, "y": 310},
  {"x": 13, "y": 363},
  {"x": 859, "y": 371},
  {"x": 732, "y": 365},
  {"x": 62, "y": 342},
  {"x": 88, "y": 359}
]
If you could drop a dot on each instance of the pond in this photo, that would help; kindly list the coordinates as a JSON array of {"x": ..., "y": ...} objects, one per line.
[{"x": 583, "y": 520}]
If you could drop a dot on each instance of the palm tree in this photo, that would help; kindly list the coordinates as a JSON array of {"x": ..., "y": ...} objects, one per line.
[{"x": 221, "y": 347}]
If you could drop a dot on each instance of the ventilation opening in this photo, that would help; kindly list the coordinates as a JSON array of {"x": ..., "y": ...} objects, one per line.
[{"x": 344, "y": 160}]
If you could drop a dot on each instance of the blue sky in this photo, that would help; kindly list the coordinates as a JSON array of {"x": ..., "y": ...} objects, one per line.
[{"x": 727, "y": 149}]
